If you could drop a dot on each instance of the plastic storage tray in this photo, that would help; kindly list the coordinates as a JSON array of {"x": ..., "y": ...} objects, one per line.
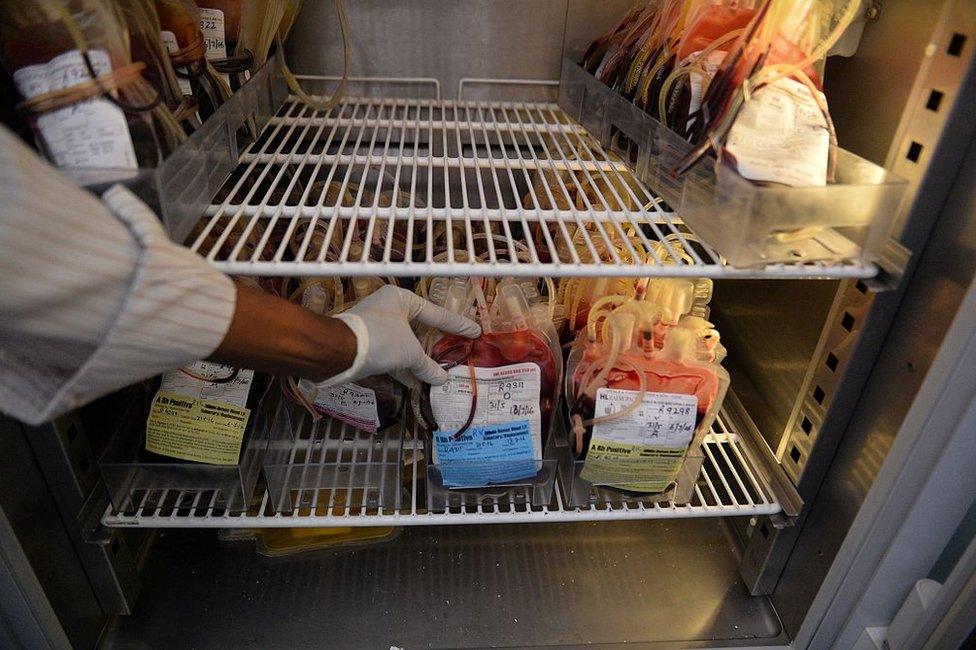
[
  {"x": 748, "y": 224},
  {"x": 581, "y": 493},
  {"x": 532, "y": 489},
  {"x": 139, "y": 486},
  {"x": 180, "y": 189},
  {"x": 327, "y": 465}
]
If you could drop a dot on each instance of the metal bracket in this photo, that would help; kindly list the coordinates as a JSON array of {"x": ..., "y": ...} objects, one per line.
[
  {"x": 891, "y": 267},
  {"x": 90, "y": 518}
]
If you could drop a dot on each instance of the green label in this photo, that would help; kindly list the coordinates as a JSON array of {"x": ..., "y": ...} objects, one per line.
[
  {"x": 639, "y": 468},
  {"x": 200, "y": 430}
]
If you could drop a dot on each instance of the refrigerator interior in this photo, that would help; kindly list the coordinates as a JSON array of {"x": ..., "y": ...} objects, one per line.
[{"x": 518, "y": 574}]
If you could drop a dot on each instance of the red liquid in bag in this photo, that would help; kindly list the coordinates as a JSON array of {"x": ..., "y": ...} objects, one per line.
[
  {"x": 496, "y": 349},
  {"x": 711, "y": 24},
  {"x": 660, "y": 376}
]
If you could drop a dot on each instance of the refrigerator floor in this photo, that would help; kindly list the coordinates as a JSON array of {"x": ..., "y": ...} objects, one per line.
[{"x": 660, "y": 583}]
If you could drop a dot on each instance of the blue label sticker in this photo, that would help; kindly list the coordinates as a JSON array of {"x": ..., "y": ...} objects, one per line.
[{"x": 488, "y": 455}]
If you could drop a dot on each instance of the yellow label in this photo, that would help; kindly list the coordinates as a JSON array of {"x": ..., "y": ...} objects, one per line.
[
  {"x": 639, "y": 468},
  {"x": 201, "y": 430}
]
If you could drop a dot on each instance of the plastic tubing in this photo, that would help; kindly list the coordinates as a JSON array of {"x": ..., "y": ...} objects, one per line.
[
  {"x": 646, "y": 316},
  {"x": 340, "y": 90},
  {"x": 678, "y": 72},
  {"x": 595, "y": 310},
  {"x": 479, "y": 295},
  {"x": 777, "y": 72},
  {"x": 551, "y": 290},
  {"x": 576, "y": 291},
  {"x": 474, "y": 401},
  {"x": 579, "y": 289},
  {"x": 694, "y": 66},
  {"x": 294, "y": 393},
  {"x": 82, "y": 46},
  {"x": 621, "y": 334},
  {"x": 641, "y": 391},
  {"x": 585, "y": 379}
]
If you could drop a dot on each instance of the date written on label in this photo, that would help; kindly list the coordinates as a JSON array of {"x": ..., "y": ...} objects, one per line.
[
  {"x": 350, "y": 403},
  {"x": 661, "y": 419},
  {"x": 505, "y": 394}
]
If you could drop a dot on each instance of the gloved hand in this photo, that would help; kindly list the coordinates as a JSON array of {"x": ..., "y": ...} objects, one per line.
[{"x": 386, "y": 344}]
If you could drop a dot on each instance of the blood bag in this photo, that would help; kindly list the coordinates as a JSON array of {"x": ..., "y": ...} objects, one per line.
[
  {"x": 142, "y": 21},
  {"x": 220, "y": 23},
  {"x": 202, "y": 413},
  {"x": 369, "y": 404},
  {"x": 54, "y": 56},
  {"x": 636, "y": 410},
  {"x": 491, "y": 420},
  {"x": 181, "y": 32},
  {"x": 681, "y": 297}
]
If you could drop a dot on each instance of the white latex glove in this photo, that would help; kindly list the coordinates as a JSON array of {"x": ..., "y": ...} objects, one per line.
[{"x": 386, "y": 344}]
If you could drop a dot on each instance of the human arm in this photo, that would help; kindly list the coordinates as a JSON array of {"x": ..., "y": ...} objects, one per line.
[
  {"x": 273, "y": 335},
  {"x": 94, "y": 296},
  {"x": 374, "y": 337}
]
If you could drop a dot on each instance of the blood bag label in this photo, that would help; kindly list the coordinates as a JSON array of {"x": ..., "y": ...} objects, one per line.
[
  {"x": 350, "y": 403},
  {"x": 504, "y": 394},
  {"x": 200, "y": 430},
  {"x": 486, "y": 455},
  {"x": 642, "y": 450},
  {"x": 172, "y": 45},
  {"x": 214, "y": 35},
  {"x": 199, "y": 414},
  {"x": 92, "y": 133},
  {"x": 638, "y": 468},
  {"x": 212, "y": 28},
  {"x": 212, "y": 381},
  {"x": 781, "y": 136}
]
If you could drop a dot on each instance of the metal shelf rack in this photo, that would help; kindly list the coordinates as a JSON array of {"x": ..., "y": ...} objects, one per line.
[
  {"x": 731, "y": 484},
  {"x": 503, "y": 188},
  {"x": 433, "y": 187}
]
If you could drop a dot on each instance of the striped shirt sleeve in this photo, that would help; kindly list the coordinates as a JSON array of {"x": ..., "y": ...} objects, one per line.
[{"x": 93, "y": 294}]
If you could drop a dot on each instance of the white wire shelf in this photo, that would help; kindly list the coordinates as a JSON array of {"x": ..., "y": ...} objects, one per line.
[
  {"x": 400, "y": 187},
  {"x": 730, "y": 484}
]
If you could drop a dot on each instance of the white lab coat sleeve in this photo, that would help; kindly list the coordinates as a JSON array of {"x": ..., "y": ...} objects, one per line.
[{"x": 93, "y": 294}]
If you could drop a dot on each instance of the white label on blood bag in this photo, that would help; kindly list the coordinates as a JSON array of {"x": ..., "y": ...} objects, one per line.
[
  {"x": 781, "y": 136},
  {"x": 172, "y": 45},
  {"x": 234, "y": 391},
  {"x": 662, "y": 419},
  {"x": 92, "y": 133},
  {"x": 350, "y": 403},
  {"x": 505, "y": 394},
  {"x": 212, "y": 27}
]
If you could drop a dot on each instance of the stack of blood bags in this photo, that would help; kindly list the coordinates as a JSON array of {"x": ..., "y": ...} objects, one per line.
[
  {"x": 644, "y": 384},
  {"x": 577, "y": 295},
  {"x": 740, "y": 74},
  {"x": 491, "y": 421},
  {"x": 88, "y": 103},
  {"x": 180, "y": 24}
]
